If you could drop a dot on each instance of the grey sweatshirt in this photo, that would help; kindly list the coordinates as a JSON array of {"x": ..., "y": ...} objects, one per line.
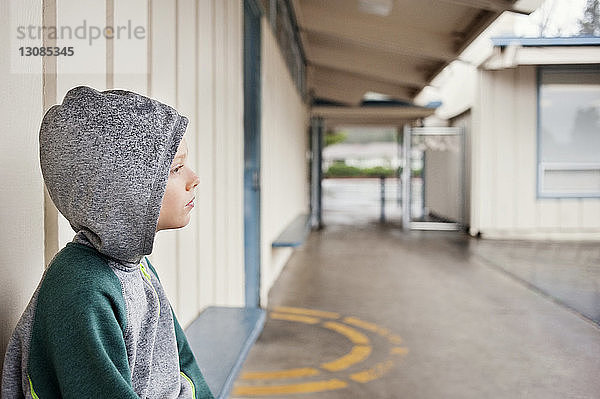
[{"x": 99, "y": 324}]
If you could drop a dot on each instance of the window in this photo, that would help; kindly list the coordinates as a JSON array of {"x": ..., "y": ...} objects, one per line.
[
  {"x": 280, "y": 14},
  {"x": 569, "y": 131}
]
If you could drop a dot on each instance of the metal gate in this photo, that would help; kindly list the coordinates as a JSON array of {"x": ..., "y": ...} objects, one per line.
[{"x": 433, "y": 178}]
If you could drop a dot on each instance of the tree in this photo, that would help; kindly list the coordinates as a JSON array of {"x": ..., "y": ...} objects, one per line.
[
  {"x": 589, "y": 25},
  {"x": 334, "y": 138}
]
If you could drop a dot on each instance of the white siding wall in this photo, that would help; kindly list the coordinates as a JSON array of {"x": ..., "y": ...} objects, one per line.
[
  {"x": 464, "y": 121},
  {"x": 197, "y": 67},
  {"x": 504, "y": 202},
  {"x": 284, "y": 168},
  {"x": 442, "y": 183},
  {"x": 192, "y": 60},
  {"x": 22, "y": 189}
]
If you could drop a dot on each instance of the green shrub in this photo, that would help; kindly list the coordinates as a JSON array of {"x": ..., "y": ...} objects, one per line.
[
  {"x": 340, "y": 169},
  {"x": 379, "y": 171}
]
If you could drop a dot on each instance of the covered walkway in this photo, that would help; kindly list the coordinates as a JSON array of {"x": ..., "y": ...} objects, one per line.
[{"x": 372, "y": 312}]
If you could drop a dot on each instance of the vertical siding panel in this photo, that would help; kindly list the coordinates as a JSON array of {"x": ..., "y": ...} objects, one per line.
[
  {"x": 504, "y": 174},
  {"x": 22, "y": 210},
  {"x": 485, "y": 151},
  {"x": 590, "y": 211},
  {"x": 163, "y": 85},
  {"x": 228, "y": 167},
  {"x": 569, "y": 213},
  {"x": 186, "y": 104},
  {"x": 220, "y": 234},
  {"x": 475, "y": 151},
  {"x": 86, "y": 67},
  {"x": 265, "y": 248},
  {"x": 237, "y": 180},
  {"x": 548, "y": 215},
  {"x": 525, "y": 126},
  {"x": 204, "y": 148},
  {"x": 51, "y": 214},
  {"x": 131, "y": 55}
]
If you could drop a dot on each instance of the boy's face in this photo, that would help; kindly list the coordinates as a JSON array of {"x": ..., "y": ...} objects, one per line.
[{"x": 178, "y": 200}]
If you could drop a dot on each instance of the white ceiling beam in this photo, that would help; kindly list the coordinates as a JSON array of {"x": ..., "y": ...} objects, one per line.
[
  {"x": 490, "y": 5},
  {"x": 378, "y": 33},
  {"x": 324, "y": 77},
  {"x": 331, "y": 124},
  {"x": 339, "y": 94},
  {"x": 363, "y": 113},
  {"x": 498, "y": 6},
  {"x": 374, "y": 65}
]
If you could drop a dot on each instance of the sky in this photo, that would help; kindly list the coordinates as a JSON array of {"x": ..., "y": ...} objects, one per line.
[{"x": 562, "y": 16}]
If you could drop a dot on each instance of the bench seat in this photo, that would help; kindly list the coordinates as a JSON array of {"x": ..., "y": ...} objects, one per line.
[
  {"x": 221, "y": 338},
  {"x": 295, "y": 233}
]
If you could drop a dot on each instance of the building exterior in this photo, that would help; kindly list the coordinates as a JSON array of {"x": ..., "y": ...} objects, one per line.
[
  {"x": 530, "y": 114},
  {"x": 536, "y": 140}
]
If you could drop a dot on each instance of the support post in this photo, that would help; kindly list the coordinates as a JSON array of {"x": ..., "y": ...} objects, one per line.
[
  {"x": 382, "y": 195},
  {"x": 406, "y": 166}
]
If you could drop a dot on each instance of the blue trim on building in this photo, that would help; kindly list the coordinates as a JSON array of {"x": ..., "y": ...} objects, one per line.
[
  {"x": 504, "y": 41},
  {"x": 252, "y": 155}
]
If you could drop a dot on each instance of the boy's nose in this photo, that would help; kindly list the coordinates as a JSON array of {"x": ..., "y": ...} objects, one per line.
[{"x": 194, "y": 181}]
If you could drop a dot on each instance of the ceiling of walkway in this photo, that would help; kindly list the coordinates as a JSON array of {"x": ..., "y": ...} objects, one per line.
[{"x": 391, "y": 47}]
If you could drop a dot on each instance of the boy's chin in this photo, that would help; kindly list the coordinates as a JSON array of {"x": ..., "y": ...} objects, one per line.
[{"x": 173, "y": 226}]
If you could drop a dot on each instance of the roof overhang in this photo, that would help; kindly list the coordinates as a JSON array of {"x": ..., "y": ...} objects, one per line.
[
  {"x": 510, "y": 52},
  {"x": 390, "y": 47}
]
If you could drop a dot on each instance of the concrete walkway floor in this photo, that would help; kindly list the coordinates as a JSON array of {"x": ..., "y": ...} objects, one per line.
[{"x": 372, "y": 312}]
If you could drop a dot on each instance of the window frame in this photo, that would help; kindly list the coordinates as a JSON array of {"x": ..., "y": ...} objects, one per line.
[{"x": 541, "y": 166}]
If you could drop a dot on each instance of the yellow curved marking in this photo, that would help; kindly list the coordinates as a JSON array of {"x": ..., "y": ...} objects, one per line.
[
  {"x": 306, "y": 387},
  {"x": 384, "y": 332},
  {"x": 353, "y": 335},
  {"x": 362, "y": 324},
  {"x": 298, "y": 318},
  {"x": 356, "y": 355},
  {"x": 307, "y": 312},
  {"x": 395, "y": 339},
  {"x": 281, "y": 374},
  {"x": 373, "y": 373},
  {"x": 360, "y": 351},
  {"x": 399, "y": 351}
]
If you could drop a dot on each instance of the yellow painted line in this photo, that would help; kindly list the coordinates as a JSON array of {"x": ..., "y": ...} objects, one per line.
[
  {"x": 395, "y": 339},
  {"x": 384, "y": 332},
  {"x": 307, "y": 312},
  {"x": 399, "y": 351},
  {"x": 353, "y": 335},
  {"x": 292, "y": 317},
  {"x": 373, "y": 373},
  {"x": 361, "y": 323},
  {"x": 281, "y": 374},
  {"x": 356, "y": 355},
  {"x": 306, "y": 387}
]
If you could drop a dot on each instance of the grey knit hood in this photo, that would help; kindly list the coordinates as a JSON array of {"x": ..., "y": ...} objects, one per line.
[{"x": 105, "y": 157}]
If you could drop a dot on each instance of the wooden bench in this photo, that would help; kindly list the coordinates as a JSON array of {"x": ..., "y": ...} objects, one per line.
[
  {"x": 221, "y": 338},
  {"x": 295, "y": 233}
]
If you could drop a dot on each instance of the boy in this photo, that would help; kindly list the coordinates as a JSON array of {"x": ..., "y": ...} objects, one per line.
[{"x": 99, "y": 324}]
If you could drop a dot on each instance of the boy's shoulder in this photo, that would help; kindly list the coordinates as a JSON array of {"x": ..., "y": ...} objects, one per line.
[{"x": 79, "y": 273}]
